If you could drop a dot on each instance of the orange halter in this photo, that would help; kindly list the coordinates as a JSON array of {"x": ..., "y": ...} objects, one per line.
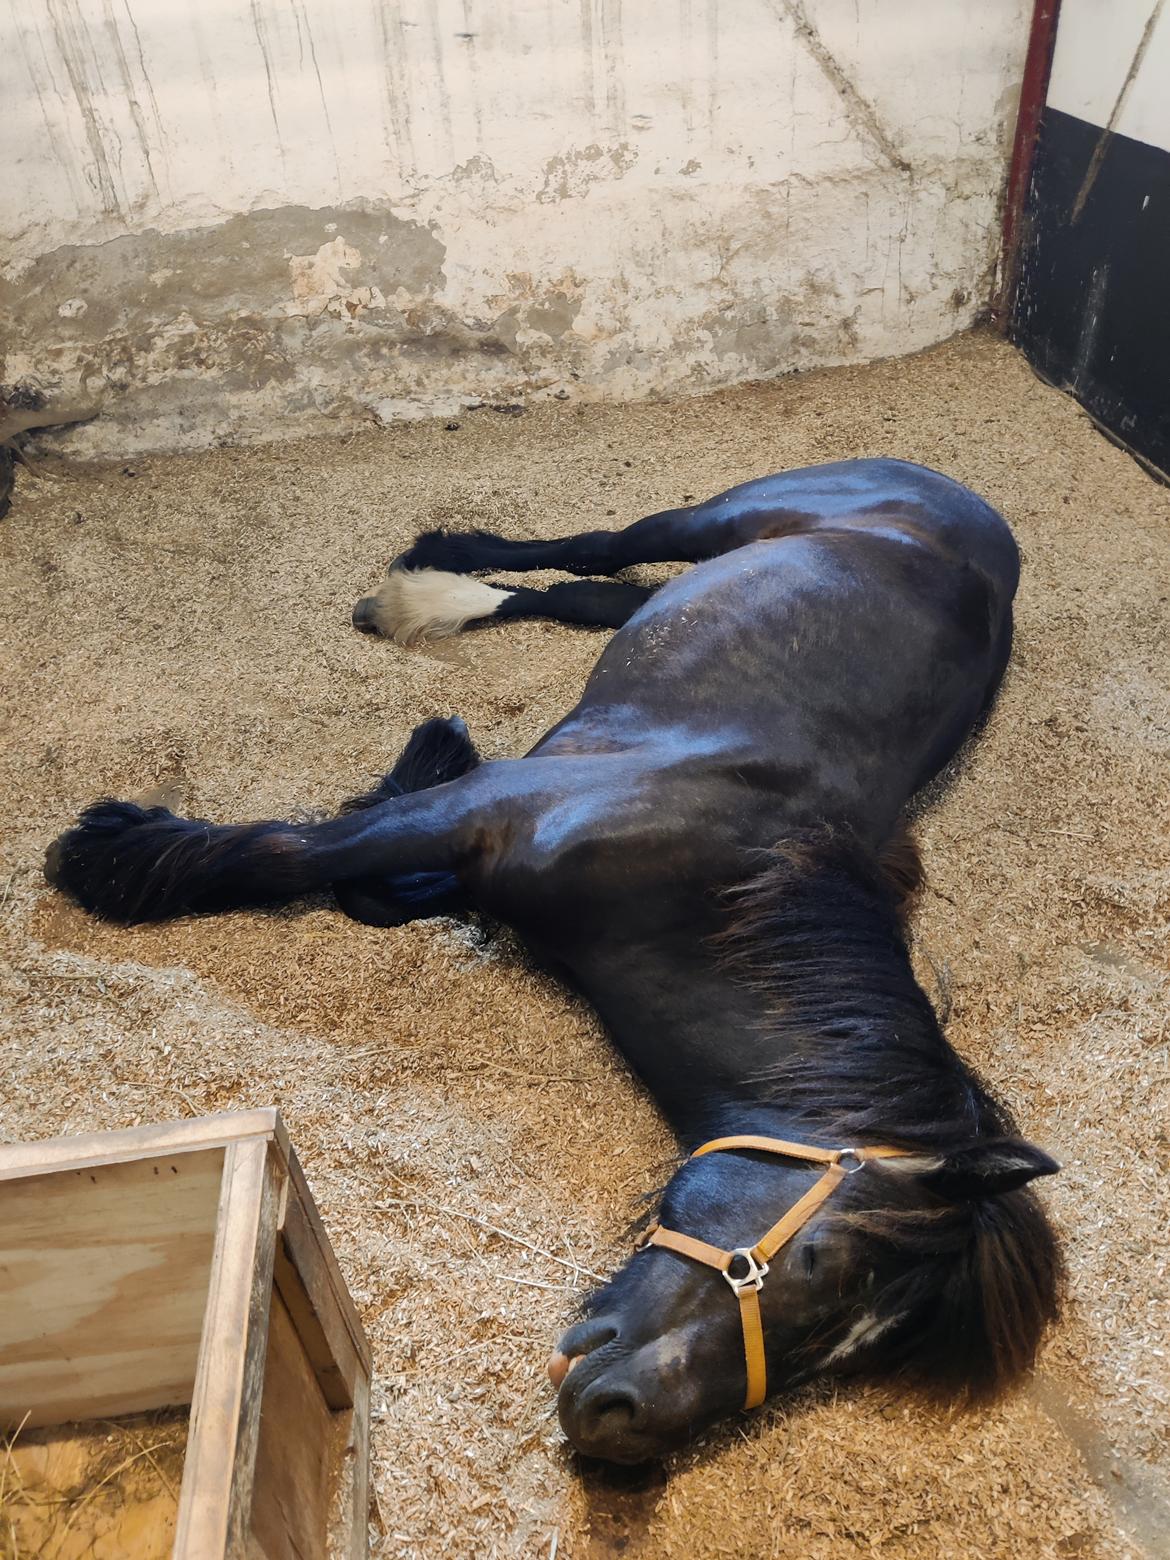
[{"x": 752, "y": 1261}]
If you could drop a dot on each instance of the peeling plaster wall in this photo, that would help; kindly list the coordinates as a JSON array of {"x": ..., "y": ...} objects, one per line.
[{"x": 234, "y": 218}]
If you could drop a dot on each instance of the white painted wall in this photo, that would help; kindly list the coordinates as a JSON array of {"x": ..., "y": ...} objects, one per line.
[
  {"x": 620, "y": 197},
  {"x": 1096, "y": 69}
]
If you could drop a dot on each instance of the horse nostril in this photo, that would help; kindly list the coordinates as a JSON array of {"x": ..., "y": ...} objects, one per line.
[
  {"x": 363, "y": 615},
  {"x": 612, "y": 1413},
  {"x": 617, "y": 1408},
  {"x": 609, "y": 1414},
  {"x": 578, "y": 1342}
]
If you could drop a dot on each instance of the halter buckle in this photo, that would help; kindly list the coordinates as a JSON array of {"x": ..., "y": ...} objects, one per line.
[
  {"x": 646, "y": 1239},
  {"x": 752, "y": 1279}
]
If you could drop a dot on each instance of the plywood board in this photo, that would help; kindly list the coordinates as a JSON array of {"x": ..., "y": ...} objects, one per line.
[
  {"x": 104, "y": 1273},
  {"x": 301, "y": 1445},
  {"x": 187, "y": 1263},
  {"x": 216, "y": 1501},
  {"x": 171, "y": 1137},
  {"x": 311, "y": 1285}
]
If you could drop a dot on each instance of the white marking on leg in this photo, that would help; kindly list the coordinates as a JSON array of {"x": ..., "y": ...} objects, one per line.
[{"x": 412, "y": 605}]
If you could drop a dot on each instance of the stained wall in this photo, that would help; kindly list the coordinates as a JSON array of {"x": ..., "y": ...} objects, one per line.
[{"x": 235, "y": 219}]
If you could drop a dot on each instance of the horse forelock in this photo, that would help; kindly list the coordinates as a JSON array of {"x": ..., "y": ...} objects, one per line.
[{"x": 983, "y": 1282}]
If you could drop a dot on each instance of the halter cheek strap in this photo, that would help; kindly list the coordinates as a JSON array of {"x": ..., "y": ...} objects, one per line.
[{"x": 746, "y": 1267}]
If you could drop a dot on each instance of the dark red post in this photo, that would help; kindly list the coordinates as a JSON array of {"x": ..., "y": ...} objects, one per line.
[{"x": 1033, "y": 93}]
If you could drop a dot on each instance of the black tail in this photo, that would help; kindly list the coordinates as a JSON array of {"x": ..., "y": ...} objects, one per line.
[{"x": 128, "y": 863}]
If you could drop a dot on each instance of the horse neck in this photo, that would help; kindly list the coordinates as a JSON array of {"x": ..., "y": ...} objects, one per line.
[
  {"x": 802, "y": 1017},
  {"x": 693, "y": 1036}
]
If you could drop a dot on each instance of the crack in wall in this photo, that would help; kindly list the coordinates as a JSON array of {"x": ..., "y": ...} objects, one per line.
[
  {"x": 860, "y": 111},
  {"x": 77, "y": 55}
]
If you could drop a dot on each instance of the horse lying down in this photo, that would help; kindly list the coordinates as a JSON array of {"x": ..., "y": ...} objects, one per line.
[{"x": 709, "y": 847}]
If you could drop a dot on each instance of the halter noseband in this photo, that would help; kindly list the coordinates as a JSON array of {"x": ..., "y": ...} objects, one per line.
[{"x": 752, "y": 1262}]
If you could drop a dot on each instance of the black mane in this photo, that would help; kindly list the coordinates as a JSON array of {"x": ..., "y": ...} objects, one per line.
[
  {"x": 860, "y": 1053},
  {"x": 861, "y": 1057}
]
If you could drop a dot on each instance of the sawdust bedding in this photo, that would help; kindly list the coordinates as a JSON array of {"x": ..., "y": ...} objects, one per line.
[{"x": 476, "y": 1147}]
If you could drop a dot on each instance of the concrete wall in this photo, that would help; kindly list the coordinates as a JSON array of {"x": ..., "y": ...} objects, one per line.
[{"x": 237, "y": 216}]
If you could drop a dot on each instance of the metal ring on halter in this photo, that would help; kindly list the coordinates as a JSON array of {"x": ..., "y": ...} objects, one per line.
[
  {"x": 753, "y": 1278},
  {"x": 850, "y": 1161}
]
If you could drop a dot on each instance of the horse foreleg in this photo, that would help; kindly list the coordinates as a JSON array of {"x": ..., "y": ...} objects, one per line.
[
  {"x": 438, "y": 751},
  {"x": 129, "y": 863}
]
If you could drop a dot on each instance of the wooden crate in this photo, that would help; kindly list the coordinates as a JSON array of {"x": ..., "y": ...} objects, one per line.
[{"x": 187, "y": 1264}]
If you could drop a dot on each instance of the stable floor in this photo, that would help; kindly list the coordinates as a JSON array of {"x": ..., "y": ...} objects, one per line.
[{"x": 476, "y": 1147}]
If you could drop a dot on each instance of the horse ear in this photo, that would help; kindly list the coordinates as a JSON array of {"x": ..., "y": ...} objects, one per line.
[{"x": 986, "y": 1167}]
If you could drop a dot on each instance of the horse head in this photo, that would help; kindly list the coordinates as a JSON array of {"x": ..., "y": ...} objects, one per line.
[{"x": 937, "y": 1268}]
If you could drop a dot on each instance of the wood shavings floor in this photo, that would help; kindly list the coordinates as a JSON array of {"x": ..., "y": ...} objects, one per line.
[{"x": 192, "y": 620}]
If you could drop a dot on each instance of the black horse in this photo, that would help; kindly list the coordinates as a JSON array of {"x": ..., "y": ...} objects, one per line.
[{"x": 710, "y": 848}]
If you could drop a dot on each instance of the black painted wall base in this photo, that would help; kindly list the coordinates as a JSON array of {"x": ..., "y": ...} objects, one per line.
[{"x": 1092, "y": 309}]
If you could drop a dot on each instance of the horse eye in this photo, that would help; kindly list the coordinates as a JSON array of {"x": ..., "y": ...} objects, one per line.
[{"x": 810, "y": 1259}]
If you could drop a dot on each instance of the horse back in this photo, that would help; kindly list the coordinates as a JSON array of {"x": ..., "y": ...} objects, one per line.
[{"x": 853, "y": 652}]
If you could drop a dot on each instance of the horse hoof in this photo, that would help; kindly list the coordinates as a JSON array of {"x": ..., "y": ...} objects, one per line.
[
  {"x": 363, "y": 615},
  {"x": 53, "y": 864}
]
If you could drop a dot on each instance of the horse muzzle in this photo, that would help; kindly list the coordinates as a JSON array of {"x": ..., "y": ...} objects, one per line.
[{"x": 620, "y": 1405}]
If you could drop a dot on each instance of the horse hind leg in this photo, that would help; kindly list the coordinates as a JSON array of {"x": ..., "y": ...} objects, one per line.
[
  {"x": 586, "y": 603},
  {"x": 438, "y": 751},
  {"x": 687, "y": 534},
  {"x": 482, "y": 552},
  {"x": 428, "y": 592},
  {"x": 414, "y": 605},
  {"x": 425, "y": 604}
]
